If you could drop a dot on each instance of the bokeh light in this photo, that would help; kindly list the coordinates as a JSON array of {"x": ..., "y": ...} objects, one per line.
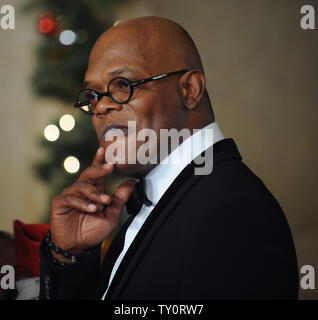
[
  {"x": 67, "y": 122},
  {"x": 81, "y": 36},
  {"x": 71, "y": 164},
  {"x": 51, "y": 132},
  {"x": 46, "y": 25},
  {"x": 67, "y": 37}
]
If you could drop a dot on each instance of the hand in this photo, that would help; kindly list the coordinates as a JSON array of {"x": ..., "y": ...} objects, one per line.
[{"x": 79, "y": 217}]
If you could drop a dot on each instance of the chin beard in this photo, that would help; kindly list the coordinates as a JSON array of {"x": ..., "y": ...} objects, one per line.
[{"x": 133, "y": 170}]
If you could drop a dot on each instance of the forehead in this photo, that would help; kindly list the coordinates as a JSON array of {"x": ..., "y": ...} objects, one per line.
[{"x": 109, "y": 60}]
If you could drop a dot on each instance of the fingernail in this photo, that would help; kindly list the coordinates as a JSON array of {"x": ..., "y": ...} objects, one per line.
[
  {"x": 104, "y": 197},
  {"x": 91, "y": 207}
]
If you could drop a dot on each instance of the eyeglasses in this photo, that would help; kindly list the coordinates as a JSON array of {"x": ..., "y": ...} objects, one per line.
[{"x": 119, "y": 89}]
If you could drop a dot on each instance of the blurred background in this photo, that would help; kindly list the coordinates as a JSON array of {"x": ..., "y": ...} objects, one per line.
[{"x": 262, "y": 76}]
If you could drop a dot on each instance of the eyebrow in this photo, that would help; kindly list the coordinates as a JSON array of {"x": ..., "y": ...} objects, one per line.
[
  {"x": 114, "y": 72},
  {"x": 121, "y": 70}
]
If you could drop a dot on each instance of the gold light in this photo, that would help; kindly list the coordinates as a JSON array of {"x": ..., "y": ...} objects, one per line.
[
  {"x": 51, "y": 132},
  {"x": 67, "y": 122},
  {"x": 71, "y": 164}
]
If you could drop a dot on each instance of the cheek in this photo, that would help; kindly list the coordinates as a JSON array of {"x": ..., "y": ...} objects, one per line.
[
  {"x": 146, "y": 108},
  {"x": 149, "y": 115},
  {"x": 171, "y": 112},
  {"x": 155, "y": 109}
]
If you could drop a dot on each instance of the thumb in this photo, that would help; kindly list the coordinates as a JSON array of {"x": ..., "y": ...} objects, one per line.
[{"x": 121, "y": 196}]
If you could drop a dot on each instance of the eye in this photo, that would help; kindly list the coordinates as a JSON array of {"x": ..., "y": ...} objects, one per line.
[{"x": 122, "y": 83}]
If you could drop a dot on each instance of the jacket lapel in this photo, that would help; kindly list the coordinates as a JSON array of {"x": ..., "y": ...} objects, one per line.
[{"x": 111, "y": 256}]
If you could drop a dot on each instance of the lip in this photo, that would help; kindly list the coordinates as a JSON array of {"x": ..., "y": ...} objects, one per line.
[{"x": 108, "y": 127}]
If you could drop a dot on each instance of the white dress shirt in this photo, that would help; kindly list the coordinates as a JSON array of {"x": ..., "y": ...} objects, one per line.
[{"x": 158, "y": 180}]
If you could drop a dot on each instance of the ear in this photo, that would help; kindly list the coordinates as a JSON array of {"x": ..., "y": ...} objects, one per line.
[{"x": 192, "y": 87}]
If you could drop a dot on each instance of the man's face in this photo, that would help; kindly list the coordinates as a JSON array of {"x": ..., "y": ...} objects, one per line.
[{"x": 154, "y": 105}]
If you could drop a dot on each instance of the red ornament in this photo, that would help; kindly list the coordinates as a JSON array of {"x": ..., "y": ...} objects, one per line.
[{"x": 46, "y": 25}]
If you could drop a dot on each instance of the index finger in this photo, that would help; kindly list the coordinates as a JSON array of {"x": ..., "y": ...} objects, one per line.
[
  {"x": 99, "y": 157},
  {"x": 96, "y": 173}
]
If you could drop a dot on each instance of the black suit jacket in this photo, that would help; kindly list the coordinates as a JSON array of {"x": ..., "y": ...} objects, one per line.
[{"x": 216, "y": 236}]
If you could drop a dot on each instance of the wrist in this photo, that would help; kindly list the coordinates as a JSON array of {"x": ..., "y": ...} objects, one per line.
[
  {"x": 60, "y": 257},
  {"x": 56, "y": 254}
]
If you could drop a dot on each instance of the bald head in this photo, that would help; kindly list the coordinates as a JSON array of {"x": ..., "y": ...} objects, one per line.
[{"x": 159, "y": 41}]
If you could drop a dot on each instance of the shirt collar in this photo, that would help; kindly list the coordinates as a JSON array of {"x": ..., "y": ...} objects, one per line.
[{"x": 158, "y": 180}]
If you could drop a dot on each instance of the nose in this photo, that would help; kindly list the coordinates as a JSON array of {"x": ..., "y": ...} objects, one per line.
[{"x": 106, "y": 105}]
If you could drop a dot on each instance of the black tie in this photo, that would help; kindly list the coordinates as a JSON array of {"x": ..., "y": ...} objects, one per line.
[{"x": 137, "y": 199}]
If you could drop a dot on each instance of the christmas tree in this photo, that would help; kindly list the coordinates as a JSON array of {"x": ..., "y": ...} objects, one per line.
[{"x": 68, "y": 29}]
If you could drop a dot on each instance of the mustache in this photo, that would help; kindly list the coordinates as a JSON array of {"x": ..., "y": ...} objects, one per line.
[{"x": 108, "y": 127}]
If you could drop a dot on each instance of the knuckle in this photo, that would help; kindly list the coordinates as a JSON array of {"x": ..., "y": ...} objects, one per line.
[
  {"x": 56, "y": 200},
  {"x": 69, "y": 198}
]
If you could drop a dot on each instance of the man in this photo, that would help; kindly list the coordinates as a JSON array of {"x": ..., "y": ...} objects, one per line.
[{"x": 220, "y": 235}]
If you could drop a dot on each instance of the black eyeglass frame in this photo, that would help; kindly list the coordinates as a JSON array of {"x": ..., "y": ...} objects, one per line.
[{"x": 131, "y": 84}]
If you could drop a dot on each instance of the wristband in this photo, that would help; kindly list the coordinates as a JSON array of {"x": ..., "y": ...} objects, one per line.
[{"x": 50, "y": 245}]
